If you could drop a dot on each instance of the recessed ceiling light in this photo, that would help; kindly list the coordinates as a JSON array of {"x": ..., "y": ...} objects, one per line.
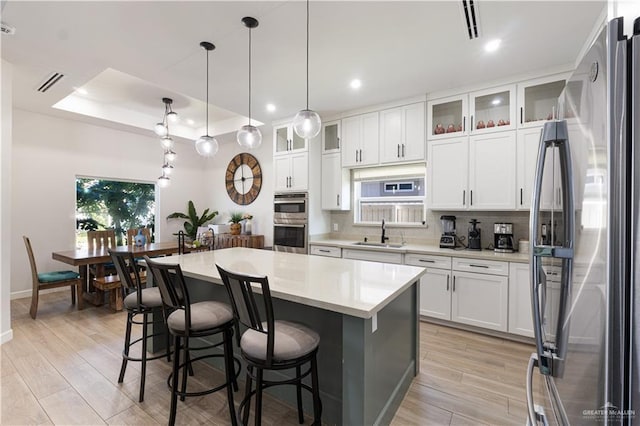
[
  {"x": 492, "y": 46},
  {"x": 271, "y": 107},
  {"x": 82, "y": 91},
  {"x": 355, "y": 83},
  {"x": 190, "y": 122},
  {"x": 496, "y": 101}
]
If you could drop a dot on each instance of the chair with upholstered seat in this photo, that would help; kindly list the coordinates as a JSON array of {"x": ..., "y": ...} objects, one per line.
[
  {"x": 138, "y": 300},
  {"x": 48, "y": 280},
  {"x": 270, "y": 344},
  {"x": 194, "y": 320}
]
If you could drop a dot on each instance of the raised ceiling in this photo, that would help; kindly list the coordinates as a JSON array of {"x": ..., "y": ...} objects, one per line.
[{"x": 398, "y": 49}]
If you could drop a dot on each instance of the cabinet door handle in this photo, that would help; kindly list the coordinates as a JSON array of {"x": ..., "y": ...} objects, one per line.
[
  {"x": 426, "y": 261},
  {"x": 464, "y": 123},
  {"x": 464, "y": 197},
  {"x": 521, "y": 115},
  {"x": 324, "y": 251},
  {"x": 472, "y": 126},
  {"x": 479, "y": 266},
  {"x": 402, "y": 150},
  {"x": 398, "y": 154},
  {"x": 520, "y": 196},
  {"x": 338, "y": 200},
  {"x": 447, "y": 282},
  {"x": 454, "y": 283},
  {"x": 356, "y": 155},
  {"x": 361, "y": 156},
  {"x": 338, "y": 143},
  {"x": 471, "y": 196}
]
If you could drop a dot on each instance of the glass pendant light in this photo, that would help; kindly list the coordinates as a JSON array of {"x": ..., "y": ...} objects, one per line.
[
  {"x": 161, "y": 129},
  {"x": 307, "y": 123},
  {"x": 206, "y": 145},
  {"x": 163, "y": 181},
  {"x": 170, "y": 156},
  {"x": 249, "y": 136},
  {"x": 167, "y": 168},
  {"x": 166, "y": 142}
]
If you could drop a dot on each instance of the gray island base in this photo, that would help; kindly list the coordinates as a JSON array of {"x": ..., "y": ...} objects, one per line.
[{"x": 366, "y": 314}]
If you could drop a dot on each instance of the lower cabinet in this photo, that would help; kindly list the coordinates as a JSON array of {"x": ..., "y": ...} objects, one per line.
[
  {"x": 520, "y": 319},
  {"x": 478, "y": 298},
  {"x": 435, "y": 284},
  {"x": 372, "y": 255},
  {"x": 327, "y": 251}
]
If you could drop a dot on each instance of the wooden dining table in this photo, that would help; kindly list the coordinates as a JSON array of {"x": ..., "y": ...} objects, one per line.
[{"x": 82, "y": 258}]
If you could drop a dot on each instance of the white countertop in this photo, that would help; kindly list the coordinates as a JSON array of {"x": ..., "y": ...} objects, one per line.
[
  {"x": 428, "y": 249},
  {"x": 352, "y": 287}
]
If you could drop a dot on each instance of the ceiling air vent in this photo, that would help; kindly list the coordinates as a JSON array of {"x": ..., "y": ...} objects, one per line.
[
  {"x": 471, "y": 18},
  {"x": 50, "y": 81}
]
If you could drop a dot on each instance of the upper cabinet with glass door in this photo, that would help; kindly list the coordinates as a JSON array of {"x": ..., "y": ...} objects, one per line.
[
  {"x": 538, "y": 99},
  {"x": 331, "y": 137},
  {"x": 447, "y": 117},
  {"x": 286, "y": 141},
  {"x": 493, "y": 109}
]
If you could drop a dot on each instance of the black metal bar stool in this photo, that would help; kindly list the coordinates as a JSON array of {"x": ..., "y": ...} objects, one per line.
[
  {"x": 271, "y": 345},
  {"x": 192, "y": 320},
  {"x": 137, "y": 301}
]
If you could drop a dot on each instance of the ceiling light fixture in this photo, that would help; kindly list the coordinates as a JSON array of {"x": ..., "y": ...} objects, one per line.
[
  {"x": 170, "y": 156},
  {"x": 206, "y": 145},
  {"x": 271, "y": 107},
  {"x": 249, "y": 136},
  {"x": 162, "y": 128},
  {"x": 82, "y": 91},
  {"x": 355, "y": 83},
  {"x": 496, "y": 101},
  {"x": 492, "y": 46},
  {"x": 166, "y": 142},
  {"x": 163, "y": 181},
  {"x": 307, "y": 123},
  {"x": 167, "y": 168}
]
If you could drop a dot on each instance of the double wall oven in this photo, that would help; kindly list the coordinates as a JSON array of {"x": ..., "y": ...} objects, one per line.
[{"x": 291, "y": 222}]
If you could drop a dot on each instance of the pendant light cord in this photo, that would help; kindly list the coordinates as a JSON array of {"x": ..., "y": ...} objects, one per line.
[
  {"x": 207, "y": 118},
  {"x": 307, "y": 54},
  {"x": 249, "y": 76}
]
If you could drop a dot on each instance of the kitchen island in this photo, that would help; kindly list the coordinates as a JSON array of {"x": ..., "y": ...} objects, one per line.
[{"x": 365, "y": 312}]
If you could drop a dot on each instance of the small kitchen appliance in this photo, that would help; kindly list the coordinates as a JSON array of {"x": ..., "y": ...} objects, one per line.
[
  {"x": 474, "y": 236},
  {"x": 448, "y": 238},
  {"x": 503, "y": 237}
]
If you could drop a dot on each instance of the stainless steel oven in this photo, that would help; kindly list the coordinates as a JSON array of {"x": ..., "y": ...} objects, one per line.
[{"x": 290, "y": 222}]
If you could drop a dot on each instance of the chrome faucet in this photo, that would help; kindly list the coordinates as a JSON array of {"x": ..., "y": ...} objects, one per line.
[{"x": 383, "y": 239}]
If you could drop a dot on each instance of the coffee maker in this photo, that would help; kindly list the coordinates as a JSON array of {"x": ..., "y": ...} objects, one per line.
[
  {"x": 448, "y": 238},
  {"x": 474, "y": 237},
  {"x": 503, "y": 237}
]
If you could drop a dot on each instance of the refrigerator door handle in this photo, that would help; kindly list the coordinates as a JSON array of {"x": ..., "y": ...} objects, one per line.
[
  {"x": 535, "y": 414},
  {"x": 551, "y": 357}
]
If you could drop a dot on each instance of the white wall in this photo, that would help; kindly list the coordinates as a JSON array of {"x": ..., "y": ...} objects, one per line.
[
  {"x": 48, "y": 153},
  {"x": 262, "y": 206},
  {"x": 5, "y": 203}
]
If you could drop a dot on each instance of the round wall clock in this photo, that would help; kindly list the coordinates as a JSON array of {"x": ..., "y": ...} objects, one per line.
[{"x": 243, "y": 179}]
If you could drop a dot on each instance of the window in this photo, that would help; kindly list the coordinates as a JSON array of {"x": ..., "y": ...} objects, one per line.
[
  {"x": 112, "y": 204},
  {"x": 395, "y": 194}
]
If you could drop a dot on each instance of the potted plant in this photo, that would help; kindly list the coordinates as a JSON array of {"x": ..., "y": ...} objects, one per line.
[
  {"x": 194, "y": 221},
  {"x": 235, "y": 220}
]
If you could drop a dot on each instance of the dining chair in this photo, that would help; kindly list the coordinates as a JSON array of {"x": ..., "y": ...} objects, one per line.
[
  {"x": 270, "y": 344},
  {"x": 189, "y": 321},
  {"x": 138, "y": 300},
  {"x": 131, "y": 235},
  {"x": 98, "y": 240},
  {"x": 48, "y": 280}
]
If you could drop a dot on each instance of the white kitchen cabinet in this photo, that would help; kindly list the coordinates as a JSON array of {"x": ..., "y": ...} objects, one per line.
[
  {"x": 447, "y": 169},
  {"x": 492, "y": 171},
  {"x": 360, "y": 140},
  {"x": 372, "y": 255},
  {"x": 336, "y": 183},
  {"x": 480, "y": 299},
  {"x": 435, "y": 284},
  {"x": 286, "y": 141},
  {"x": 528, "y": 142},
  {"x": 327, "y": 251},
  {"x": 493, "y": 109},
  {"x": 402, "y": 133},
  {"x": 520, "y": 319},
  {"x": 448, "y": 117},
  {"x": 538, "y": 100},
  {"x": 331, "y": 137},
  {"x": 291, "y": 172}
]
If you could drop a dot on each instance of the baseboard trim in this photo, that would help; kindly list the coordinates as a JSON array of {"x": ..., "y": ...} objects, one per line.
[
  {"x": 6, "y": 336},
  {"x": 27, "y": 293}
]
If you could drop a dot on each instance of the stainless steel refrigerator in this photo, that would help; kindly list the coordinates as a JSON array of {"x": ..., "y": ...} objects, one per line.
[{"x": 585, "y": 243}]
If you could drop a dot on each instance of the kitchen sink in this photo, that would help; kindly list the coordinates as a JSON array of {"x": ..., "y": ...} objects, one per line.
[{"x": 372, "y": 244}]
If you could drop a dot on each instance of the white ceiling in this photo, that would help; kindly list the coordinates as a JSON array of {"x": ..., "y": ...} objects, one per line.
[{"x": 139, "y": 52}]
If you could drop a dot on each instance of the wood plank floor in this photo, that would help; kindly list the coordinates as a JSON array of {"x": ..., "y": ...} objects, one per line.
[{"x": 63, "y": 368}]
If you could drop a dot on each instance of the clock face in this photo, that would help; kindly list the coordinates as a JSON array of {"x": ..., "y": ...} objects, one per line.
[{"x": 243, "y": 179}]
